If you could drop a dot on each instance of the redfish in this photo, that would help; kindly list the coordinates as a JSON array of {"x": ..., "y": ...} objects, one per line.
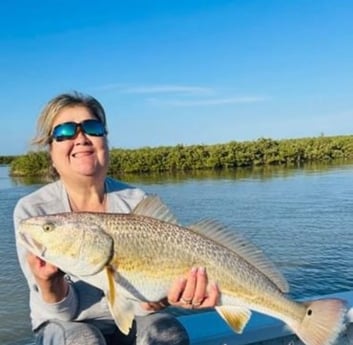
[{"x": 136, "y": 257}]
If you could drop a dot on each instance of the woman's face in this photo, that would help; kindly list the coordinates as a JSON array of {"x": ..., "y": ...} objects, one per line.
[{"x": 83, "y": 155}]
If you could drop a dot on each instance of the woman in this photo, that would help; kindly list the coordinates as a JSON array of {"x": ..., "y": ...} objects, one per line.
[{"x": 73, "y": 127}]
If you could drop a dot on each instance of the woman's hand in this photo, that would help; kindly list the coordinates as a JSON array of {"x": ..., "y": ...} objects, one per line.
[
  {"x": 50, "y": 280},
  {"x": 194, "y": 292}
]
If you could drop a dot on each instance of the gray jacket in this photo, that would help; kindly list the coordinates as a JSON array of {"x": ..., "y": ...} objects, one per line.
[{"x": 83, "y": 301}]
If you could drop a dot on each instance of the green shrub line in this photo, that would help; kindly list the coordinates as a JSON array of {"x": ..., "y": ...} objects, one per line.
[
  {"x": 183, "y": 158},
  {"x": 6, "y": 160}
]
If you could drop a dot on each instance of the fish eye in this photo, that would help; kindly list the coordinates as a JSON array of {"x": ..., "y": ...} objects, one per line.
[{"x": 48, "y": 227}]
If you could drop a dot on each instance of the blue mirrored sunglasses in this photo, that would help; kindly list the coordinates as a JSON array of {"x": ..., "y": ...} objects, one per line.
[{"x": 69, "y": 130}]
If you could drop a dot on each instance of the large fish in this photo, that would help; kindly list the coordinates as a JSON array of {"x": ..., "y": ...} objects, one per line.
[{"x": 136, "y": 257}]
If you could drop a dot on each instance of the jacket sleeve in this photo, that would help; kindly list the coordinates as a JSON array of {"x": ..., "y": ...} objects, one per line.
[{"x": 40, "y": 310}]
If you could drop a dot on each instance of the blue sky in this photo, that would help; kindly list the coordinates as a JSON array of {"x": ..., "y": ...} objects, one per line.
[{"x": 181, "y": 72}]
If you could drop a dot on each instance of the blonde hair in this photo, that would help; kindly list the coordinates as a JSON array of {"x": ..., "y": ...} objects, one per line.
[{"x": 54, "y": 106}]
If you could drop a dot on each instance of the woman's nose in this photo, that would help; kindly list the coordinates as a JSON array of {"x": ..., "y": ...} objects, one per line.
[{"x": 81, "y": 137}]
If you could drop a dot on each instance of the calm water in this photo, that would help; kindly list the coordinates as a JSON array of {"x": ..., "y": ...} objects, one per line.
[{"x": 302, "y": 218}]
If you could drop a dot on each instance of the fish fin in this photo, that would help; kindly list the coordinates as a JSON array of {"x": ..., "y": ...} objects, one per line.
[
  {"x": 323, "y": 322},
  {"x": 120, "y": 307},
  {"x": 236, "y": 317},
  {"x": 239, "y": 245},
  {"x": 153, "y": 207}
]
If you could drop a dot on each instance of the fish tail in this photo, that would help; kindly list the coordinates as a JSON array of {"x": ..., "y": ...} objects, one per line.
[{"x": 322, "y": 323}]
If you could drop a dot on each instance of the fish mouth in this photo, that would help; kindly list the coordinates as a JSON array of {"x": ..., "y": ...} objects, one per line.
[{"x": 32, "y": 245}]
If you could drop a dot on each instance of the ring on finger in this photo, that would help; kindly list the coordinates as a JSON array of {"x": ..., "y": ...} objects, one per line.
[
  {"x": 185, "y": 300},
  {"x": 196, "y": 304}
]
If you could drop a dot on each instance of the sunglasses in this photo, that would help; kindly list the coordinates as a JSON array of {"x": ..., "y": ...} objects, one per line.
[{"x": 69, "y": 130}]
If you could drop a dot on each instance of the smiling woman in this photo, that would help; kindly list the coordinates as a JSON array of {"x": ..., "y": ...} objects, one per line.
[
  {"x": 76, "y": 153},
  {"x": 59, "y": 127},
  {"x": 73, "y": 128}
]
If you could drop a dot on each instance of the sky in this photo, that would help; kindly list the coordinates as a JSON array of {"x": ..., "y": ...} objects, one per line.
[{"x": 180, "y": 72}]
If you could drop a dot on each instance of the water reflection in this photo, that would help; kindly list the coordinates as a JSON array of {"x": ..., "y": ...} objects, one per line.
[{"x": 259, "y": 172}]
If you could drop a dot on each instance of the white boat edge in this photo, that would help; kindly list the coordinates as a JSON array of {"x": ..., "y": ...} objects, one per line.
[{"x": 208, "y": 328}]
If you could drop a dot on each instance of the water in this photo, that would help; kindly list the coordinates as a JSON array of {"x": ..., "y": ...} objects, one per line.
[
  {"x": 302, "y": 218},
  {"x": 14, "y": 324}
]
